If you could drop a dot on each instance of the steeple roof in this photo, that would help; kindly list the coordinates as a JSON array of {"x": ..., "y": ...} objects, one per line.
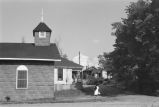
[{"x": 42, "y": 27}]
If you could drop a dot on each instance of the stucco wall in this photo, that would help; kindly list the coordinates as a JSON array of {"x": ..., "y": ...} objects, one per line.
[
  {"x": 67, "y": 76},
  {"x": 60, "y": 87},
  {"x": 40, "y": 82}
]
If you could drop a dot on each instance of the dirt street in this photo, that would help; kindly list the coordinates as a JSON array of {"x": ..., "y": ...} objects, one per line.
[
  {"x": 118, "y": 101},
  {"x": 86, "y": 104}
]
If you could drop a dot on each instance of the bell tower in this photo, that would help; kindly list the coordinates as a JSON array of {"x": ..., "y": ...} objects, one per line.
[{"x": 42, "y": 34}]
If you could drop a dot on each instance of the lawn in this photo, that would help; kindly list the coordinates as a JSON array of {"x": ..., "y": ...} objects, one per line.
[
  {"x": 85, "y": 94},
  {"x": 69, "y": 93},
  {"x": 89, "y": 90}
]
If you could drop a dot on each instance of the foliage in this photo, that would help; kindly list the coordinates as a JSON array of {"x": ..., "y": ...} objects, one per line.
[
  {"x": 135, "y": 58},
  {"x": 105, "y": 63},
  {"x": 58, "y": 44},
  {"x": 94, "y": 81},
  {"x": 109, "y": 90},
  {"x": 79, "y": 85}
]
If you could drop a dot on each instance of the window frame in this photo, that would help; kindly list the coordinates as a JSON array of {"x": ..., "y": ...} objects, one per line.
[
  {"x": 42, "y": 36},
  {"x": 58, "y": 74},
  {"x": 21, "y": 68}
]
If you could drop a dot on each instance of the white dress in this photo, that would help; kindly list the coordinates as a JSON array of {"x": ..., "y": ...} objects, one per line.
[{"x": 96, "y": 92}]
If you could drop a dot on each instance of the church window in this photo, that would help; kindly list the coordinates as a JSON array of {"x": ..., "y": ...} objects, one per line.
[{"x": 22, "y": 77}]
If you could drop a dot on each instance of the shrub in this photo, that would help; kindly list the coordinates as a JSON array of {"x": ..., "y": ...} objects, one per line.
[
  {"x": 147, "y": 87},
  {"x": 100, "y": 80},
  {"x": 7, "y": 98},
  {"x": 79, "y": 85},
  {"x": 91, "y": 80},
  {"x": 89, "y": 90},
  {"x": 143, "y": 86},
  {"x": 94, "y": 81},
  {"x": 109, "y": 90}
]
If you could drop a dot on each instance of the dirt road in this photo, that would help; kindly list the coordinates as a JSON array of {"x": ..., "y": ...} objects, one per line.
[
  {"x": 118, "y": 101},
  {"x": 86, "y": 104}
]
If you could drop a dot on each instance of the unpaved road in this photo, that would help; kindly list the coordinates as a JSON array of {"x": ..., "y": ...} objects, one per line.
[
  {"x": 118, "y": 101},
  {"x": 86, "y": 104}
]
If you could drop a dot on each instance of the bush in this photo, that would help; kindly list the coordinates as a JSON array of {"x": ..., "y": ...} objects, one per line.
[
  {"x": 147, "y": 87},
  {"x": 94, "y": 81},
  {"x": 79, "y": 85},
  {"x": 89, "y": 90},
  {"x": 109, "y": 90},
  {"x": 143, "y": 86},
  {"x": 7, "y": 98},
  {"x": 91, "y": 80}
]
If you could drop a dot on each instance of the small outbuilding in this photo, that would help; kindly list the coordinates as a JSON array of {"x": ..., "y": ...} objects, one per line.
[{"x": 66, "y": 73}]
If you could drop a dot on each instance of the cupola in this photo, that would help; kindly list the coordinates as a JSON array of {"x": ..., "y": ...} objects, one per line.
[{"x": 42, "y": 34}]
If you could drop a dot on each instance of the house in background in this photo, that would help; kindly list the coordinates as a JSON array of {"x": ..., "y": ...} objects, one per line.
[
  {"x": 86, "y": 61},
  {"x": 27, "y": 69},
  {"x": 106, "y": 75},
  {"x": 66, "y": 74}
]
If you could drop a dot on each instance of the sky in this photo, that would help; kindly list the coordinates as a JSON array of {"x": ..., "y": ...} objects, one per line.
[{"x": 78, "y": 25}]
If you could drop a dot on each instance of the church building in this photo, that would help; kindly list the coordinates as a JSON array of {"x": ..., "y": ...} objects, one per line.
[{"x": 27, "y": 69}]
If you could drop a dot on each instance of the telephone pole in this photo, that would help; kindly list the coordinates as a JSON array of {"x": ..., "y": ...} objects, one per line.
[{"x": 79, "y": 58}]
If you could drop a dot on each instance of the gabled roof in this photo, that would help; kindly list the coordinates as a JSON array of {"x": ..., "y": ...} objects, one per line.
[
  {"x": 28, "y": 51},
  {"x": 42, "y": 27},
  {"x": 68, "y": 64}
]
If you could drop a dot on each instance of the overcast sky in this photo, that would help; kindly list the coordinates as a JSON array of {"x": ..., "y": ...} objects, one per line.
[{"x": 79, "y": 25}]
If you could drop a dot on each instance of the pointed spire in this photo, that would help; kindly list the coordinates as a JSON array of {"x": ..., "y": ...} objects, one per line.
[{"x": 42, "y": 16}]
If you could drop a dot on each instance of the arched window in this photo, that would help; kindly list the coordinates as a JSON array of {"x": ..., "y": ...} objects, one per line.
[{"x": 22, "y": 77}]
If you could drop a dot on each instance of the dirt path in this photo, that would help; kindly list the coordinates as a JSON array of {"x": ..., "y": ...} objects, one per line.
[
  {"x": 118, "y": 101},
  {"x": 137, "y": 98},
  {"x": 86, "y": 104}
]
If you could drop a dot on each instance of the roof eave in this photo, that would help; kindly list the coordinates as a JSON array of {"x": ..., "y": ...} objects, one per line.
[
  {"x": 40, "y": 31},
  {"x": 30, "y": 59},
  {"x": 69, "y": 67}
]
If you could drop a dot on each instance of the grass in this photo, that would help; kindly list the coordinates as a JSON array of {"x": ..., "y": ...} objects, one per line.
[
  {"x": 69, "y": 93},
  {"x": 89, "y": 90},
  {"x": 110, "y": 93},
  {"x": 85, "y": 92}
]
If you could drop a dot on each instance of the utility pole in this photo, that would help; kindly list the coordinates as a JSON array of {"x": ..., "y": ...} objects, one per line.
[
  {"x": 80, "y": 64},
  {"x": 79, "y": 58}
]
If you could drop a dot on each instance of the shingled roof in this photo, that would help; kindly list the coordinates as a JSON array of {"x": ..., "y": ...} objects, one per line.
[
  {"x": 42, "y": 27},
  {"x": 28, "y": 51},
  {"x": 68, "y": 64}
]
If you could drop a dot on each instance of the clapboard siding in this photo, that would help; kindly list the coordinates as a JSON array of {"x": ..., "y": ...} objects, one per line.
[
  {"x": 40, "y": 82},
  {"x": 42, "y": 41}
]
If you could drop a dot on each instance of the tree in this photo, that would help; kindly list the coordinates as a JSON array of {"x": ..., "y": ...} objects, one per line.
[
  {"x": 105, "y": 63},
  {"x": 135, "y": 58},
  {"x": 57, "y": 42}
]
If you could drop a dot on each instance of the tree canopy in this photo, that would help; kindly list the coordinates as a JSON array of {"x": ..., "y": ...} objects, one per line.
[{"x": 135, "y": 59}]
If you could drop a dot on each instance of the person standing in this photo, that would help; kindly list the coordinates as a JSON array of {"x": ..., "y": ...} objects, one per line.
[{"x": 96, "y": 91}]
